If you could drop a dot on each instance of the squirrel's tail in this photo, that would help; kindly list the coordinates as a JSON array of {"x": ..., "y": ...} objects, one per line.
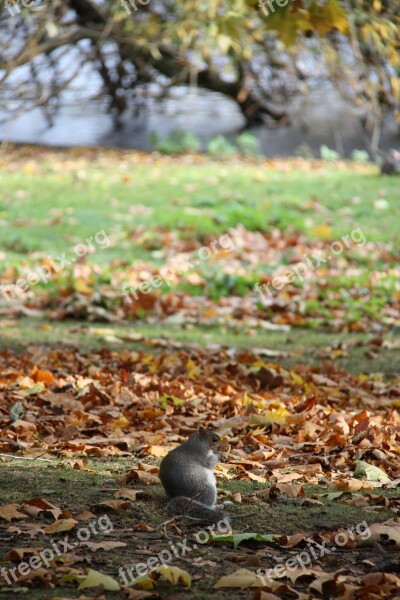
[{"x": 180, "y": 505}]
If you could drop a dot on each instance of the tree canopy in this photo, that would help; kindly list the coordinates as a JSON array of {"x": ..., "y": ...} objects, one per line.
[{"x": 246, "y": 49}]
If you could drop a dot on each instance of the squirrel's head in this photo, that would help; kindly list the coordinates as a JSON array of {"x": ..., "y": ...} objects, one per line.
[{"x": 213, "y": 440}]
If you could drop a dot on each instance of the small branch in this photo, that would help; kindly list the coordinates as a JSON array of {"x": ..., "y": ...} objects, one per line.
[{"x": 27, "y": 457}]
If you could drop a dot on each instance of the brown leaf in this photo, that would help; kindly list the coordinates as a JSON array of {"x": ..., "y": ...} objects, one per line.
[
  {"x": 77, "y": 464},
  {"x": 255, "y": 477},
  {"x": 290, "y": 490},
  {"x": 353, "y": 485},
  {"x": 31, "y": 529},
  {"x": 85, "y": 515},
  {"x": 61, "y": 525},
  {"x": 44, "y": 576},
  {"x": 112, "y": 504},
  {"x": 289, "y": 541},
  {"x": 20, "y": 553},
  {"x": 158, "y": 451},
  {"x": 103, "y": 545},
  {"x": 11, "y": 511},
  {"x": 242, "y": 578},
  {"x": 37, "y": 505},
  {"x": 129, "y": 494},
  {"x": 142, "y": 476},
  {"x": 387, "y": 534}
]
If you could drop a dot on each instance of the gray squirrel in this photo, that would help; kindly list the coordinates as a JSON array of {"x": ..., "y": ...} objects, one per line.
[{"x": 187, "y": 475}]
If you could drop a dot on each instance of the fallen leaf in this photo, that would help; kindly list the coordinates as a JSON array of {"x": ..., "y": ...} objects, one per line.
[
  {"x": 103, "y": 545},
  {"x": 129, "y": 494},
  {"x": 61, "y": 525},
  {"x": 37, "y": 505},
  {"x": 142, "y": 476},
  {"x": 95, "y": 578},
  {"x": 242, "y": 578},
  {"x": 20, "y": 553},
  {"x": 369, "y": 472},
  {"x": 387, "y": 534},
  {"x": 238, "y": 538},
  {"x": 11, "y": 511},
  {"x": 174, "y": 575}
]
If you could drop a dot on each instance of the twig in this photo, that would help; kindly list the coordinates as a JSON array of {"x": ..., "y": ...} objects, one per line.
[
  {"x": 164, "y": 525},
  {"x": 26, "y": 457},
  {"x": 169, "y": 521},
  {"x": 13, "y": 443},
  {"x": 40, "y": 455},
  {"x": 240, "y": 516}
]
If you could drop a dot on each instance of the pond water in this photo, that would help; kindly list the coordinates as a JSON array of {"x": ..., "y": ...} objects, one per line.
[{"x": 321, "y": 117}]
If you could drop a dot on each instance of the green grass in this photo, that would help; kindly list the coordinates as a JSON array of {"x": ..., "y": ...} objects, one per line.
[
  {"x": 52, "y": 200},
  {"x": 70, "y": 204}
]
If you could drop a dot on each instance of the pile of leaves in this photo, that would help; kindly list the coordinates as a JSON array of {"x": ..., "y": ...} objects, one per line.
[{"x": 114, "y": 402}]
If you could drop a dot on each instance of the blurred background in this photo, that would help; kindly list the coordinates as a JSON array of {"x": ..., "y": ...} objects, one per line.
[{"x": 302, "y": 76}]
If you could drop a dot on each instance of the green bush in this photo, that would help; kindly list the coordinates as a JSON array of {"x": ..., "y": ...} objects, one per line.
[
  {"x": 304, "y": 151},
  {"x": 329, "y": 154},
  {"x": 248, "y": 144},
  {"x": 220, "y": 147},
  {"x": 360, "y": 156},
  {"x": 178, "y": 141}
]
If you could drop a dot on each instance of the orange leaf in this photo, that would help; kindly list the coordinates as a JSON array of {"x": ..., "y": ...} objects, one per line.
[{"x": 42, "y": 376}]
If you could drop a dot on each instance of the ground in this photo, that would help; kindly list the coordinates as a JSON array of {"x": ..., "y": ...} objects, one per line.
[
  {"x": 304, "y": 382},
  {"x": 60, "y": 484}
]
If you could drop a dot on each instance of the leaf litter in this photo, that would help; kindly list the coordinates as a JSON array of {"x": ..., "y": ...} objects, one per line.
[{"x": 307, "y": 426}]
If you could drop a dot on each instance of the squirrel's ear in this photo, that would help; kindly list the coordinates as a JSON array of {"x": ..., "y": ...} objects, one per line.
[{"x": 202, "y": 433}]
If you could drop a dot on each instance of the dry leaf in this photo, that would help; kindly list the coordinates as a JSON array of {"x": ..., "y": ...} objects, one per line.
[
  {"x": 61, "y": 525},
  {"x": 11, "y": 511}
]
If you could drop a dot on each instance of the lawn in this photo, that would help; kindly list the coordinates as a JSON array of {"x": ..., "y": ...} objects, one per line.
[
  {"x": 150, "y": 211},
  {"x": 76, "y": 193},
  {"x": 102, "y": 369}
]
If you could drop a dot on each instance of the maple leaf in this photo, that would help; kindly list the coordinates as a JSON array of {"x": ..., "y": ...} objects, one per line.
[{"x": 11, "y": 511}]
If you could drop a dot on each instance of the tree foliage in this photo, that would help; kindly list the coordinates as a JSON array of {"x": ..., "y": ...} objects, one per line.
[{"x": 243, "y": 48}]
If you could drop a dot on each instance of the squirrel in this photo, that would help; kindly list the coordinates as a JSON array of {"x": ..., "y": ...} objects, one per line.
[{"x": 187, "y": 475}]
